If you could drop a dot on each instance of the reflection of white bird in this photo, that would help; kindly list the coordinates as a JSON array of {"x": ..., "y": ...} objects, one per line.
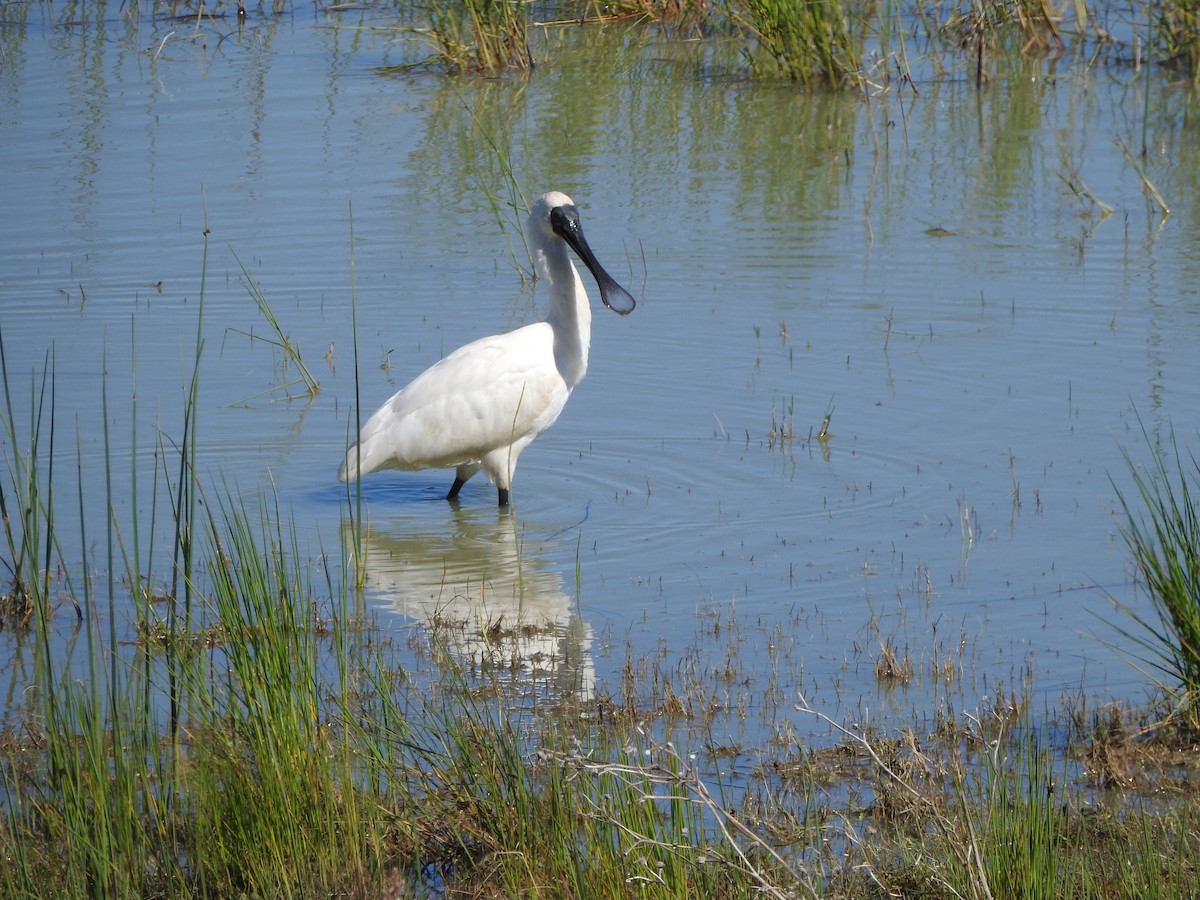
[
  {"x": 484, "y": 591},
  {"x": 484, "y": 403}
]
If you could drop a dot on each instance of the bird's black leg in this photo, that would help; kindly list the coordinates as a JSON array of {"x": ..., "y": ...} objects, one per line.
[
  {"x": 455, "y": 488},
  {"x": 503, "y": 496}
]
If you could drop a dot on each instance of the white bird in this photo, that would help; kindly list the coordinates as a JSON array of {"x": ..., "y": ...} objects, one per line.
[{"x": 482, "y": 405}]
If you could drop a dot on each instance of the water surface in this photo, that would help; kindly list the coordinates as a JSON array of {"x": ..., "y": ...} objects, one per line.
[{"x": 926, "y": 269}]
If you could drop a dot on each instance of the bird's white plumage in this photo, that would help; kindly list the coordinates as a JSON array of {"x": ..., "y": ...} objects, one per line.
[{"x": 482, "y": 405}]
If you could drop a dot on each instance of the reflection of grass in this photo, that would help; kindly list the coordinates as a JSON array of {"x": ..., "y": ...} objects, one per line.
[
  {"x": 1147, "y": 184},
  {"x": 510, "y": 210}
]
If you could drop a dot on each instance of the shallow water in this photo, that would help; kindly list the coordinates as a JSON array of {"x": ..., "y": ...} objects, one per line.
[{"x": 924, "y": 268}]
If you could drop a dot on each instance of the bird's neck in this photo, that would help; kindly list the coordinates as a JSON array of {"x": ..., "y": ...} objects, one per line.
[{"x": 570, "y": 316}]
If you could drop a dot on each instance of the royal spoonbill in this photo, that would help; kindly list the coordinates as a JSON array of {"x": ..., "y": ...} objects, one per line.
[{"x": 482, "y": 405}]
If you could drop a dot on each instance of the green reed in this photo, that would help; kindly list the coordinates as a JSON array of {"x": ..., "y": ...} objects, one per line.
[
  {"x": 82, "y": 793},
  {"x": 1025, "y": 827},
  {"x": 257, "y": 737},
  {"x": 816, "y": 44},
  {"x": 289, "y": 349},
  {"x": 268, "y": 770},
  {"x": 481, "y": 35},
  {"x": 584, "y": 814},
  {"x": 1161, "y": 530},
  {"x": 829, "y": 44},
  {"x": 25, "y": 505},
  {"x": 809, "y": 42},
  {"x": 305, "y": 762},
  {"x": 199, "y": 762}
]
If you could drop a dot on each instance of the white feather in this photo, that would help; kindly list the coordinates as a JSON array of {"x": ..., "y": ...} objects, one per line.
[{"x": 482, "y": 405}]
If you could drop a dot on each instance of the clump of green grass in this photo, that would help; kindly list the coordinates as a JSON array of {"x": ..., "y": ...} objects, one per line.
[
  {"x": 1161, "y": 530},
  {"x": 1025, "y": 826},
  {"x": 589, "y": 816},
  {"x": 269, "y": 771},
  {"x": 485, "y": 36},
  {"x": 810, "y": 42},
  {"x": 983, "y": 810},
  {"x": 826, "y": 44},
  {"x": 253, "y": 791},
  {"x": 26, "y": 499}
]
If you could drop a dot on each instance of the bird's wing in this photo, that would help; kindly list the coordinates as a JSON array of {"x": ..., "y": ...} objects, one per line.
[{"x": 482, "y": 396}]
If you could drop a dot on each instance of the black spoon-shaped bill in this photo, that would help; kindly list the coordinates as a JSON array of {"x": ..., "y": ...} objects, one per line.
[{"x": 565, "y": 222}]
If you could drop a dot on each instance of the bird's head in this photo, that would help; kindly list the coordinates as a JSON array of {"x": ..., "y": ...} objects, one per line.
[{"x": 554, "y": 215}]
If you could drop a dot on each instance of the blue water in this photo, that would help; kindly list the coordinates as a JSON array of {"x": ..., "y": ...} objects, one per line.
[{"x": 926, "y": 269}]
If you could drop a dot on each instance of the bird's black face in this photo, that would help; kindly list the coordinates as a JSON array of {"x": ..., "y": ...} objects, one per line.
[{"x": 564, "y": 220}]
